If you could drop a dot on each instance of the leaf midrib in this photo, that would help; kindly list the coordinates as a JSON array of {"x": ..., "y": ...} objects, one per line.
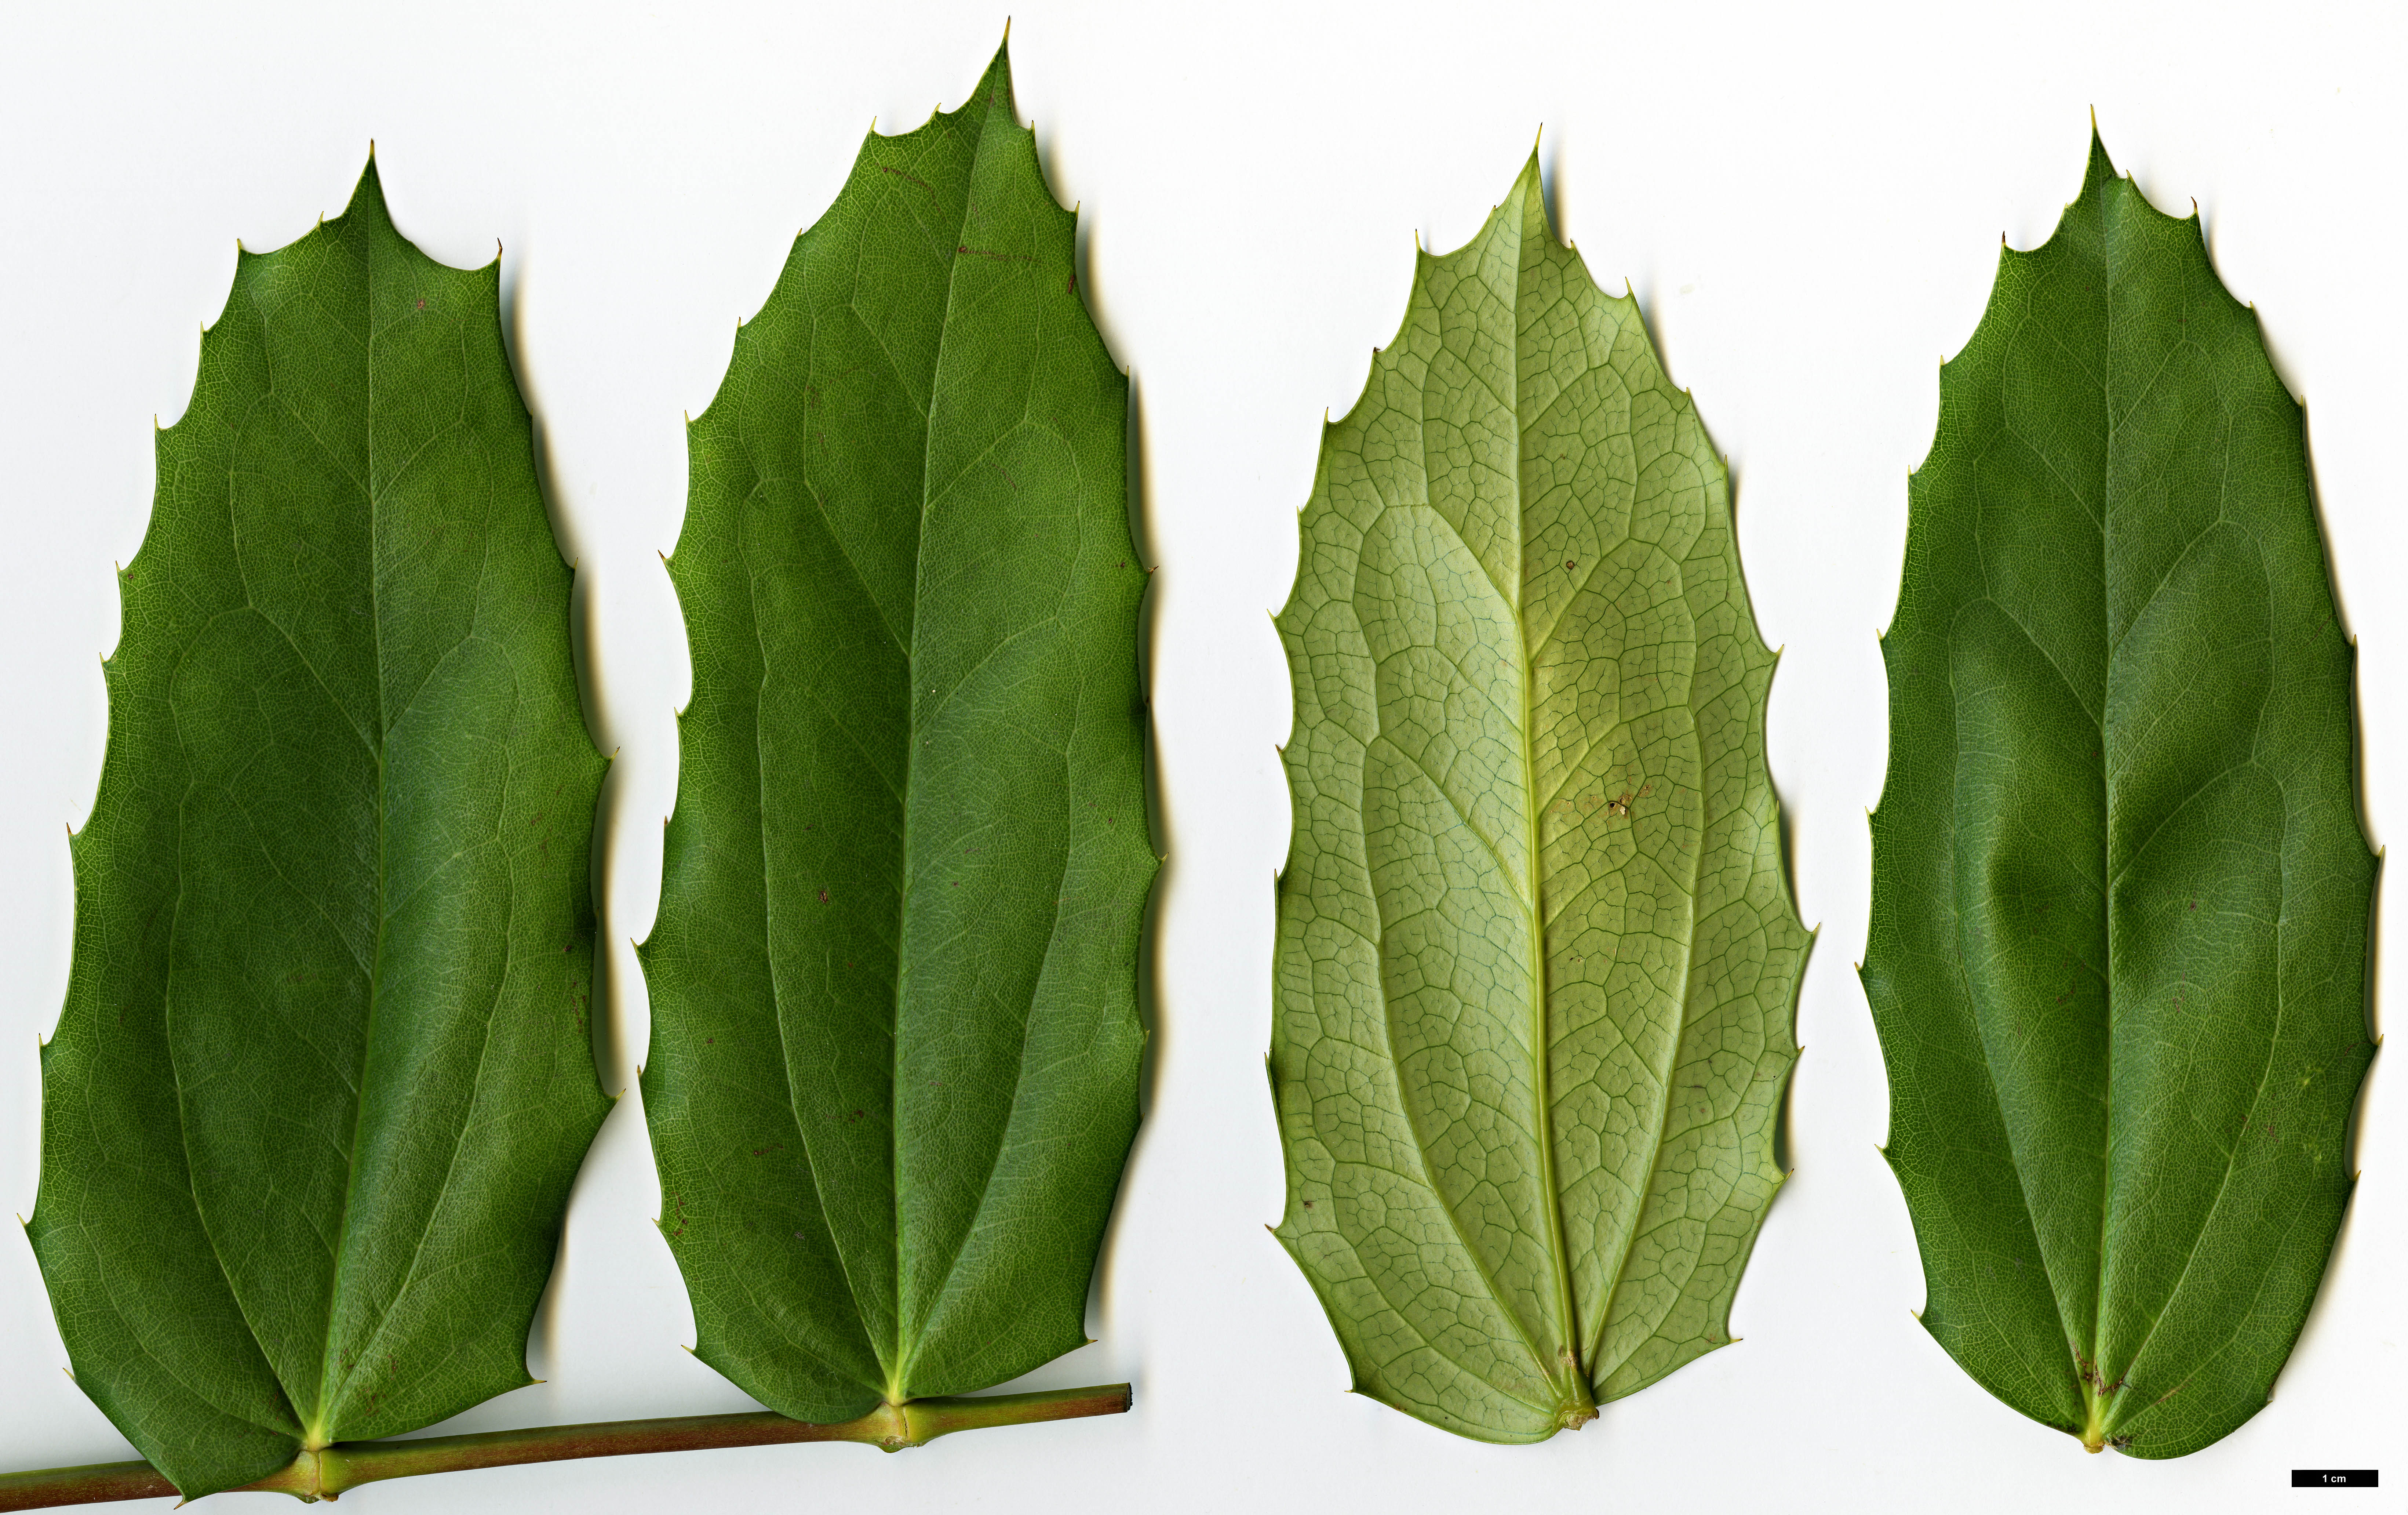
[
  {"x": 317, "y": 1429},
  {"x": 987, "y": 100},
  {"x": 1568, "y": 1379},
  {"x": 898, "y": 1353},
  {"x": 2110, "y": 1419},
  {"x": 2101, "y": 1392},
  {"x": 1567, "y": 1333},
  {"x": 898, "y": 1364},
  {"x": 335, "y": 1375},
  {"x": 2098, "y": 1384},
  {"x": 896, "y": 1361}
]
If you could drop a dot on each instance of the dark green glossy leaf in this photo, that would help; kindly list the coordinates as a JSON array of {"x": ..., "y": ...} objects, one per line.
[
  {"x": 324, "y": 1074},
  {"x": 895, "y": 1045},
  {"x": 2121, "y": 896},
  {"x": 1537, "y": 963}
]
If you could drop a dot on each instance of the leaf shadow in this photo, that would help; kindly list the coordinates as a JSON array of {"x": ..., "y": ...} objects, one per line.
[
  {"x": 606, "y": 1015},
  {"x": 1082, "y": 238},
  {"x": 1149, "y": 957},
  {"x": 1551, "y": 185},
  {"x": 584, "y": 651},
  {"x": 1141, "y": 542}
]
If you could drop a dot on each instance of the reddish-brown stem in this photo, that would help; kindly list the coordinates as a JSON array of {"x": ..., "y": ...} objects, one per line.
[{"x": 323, "y": 1474}]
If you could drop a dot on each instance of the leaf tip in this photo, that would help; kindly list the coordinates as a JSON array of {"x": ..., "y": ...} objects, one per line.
[{"x": 2100, "y": 168}]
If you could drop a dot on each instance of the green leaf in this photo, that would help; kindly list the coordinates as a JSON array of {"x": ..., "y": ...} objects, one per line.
[
  {"x": 324, "y": 1074},
  {"x": 1537, "y": 964},
  {"x": 895, "y": 1048},
  {"x": 2121, "y": 896}
]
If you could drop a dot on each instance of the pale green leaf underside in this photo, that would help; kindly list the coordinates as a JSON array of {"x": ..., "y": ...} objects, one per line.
[
  {"x": 2117, "y": 955},
  {"x": 1537, "y": 962},
  {"x": 324, "y": 1075},
  {"x": 895, "y": 1039}
]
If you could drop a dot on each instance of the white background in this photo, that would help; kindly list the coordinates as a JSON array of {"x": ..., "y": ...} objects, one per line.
[{"x": 1807, "y": 199}]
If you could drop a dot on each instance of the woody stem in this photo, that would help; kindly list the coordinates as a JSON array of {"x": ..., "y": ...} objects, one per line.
[{"x": 344, "y": 1465}]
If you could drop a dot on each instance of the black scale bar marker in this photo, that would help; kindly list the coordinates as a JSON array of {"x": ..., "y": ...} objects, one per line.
[{"x": 2335, "y": 1478}]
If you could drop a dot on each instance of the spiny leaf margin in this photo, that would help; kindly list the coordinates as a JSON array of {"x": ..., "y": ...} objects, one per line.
[
  {"x": 1496, "y": 1272},
  {"x": 895, "y": 1048},
  {"x": 2078, "y": 552},
  {"x": 269, "y": 1217}
]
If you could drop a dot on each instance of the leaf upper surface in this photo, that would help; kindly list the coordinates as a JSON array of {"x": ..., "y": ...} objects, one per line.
[
  {"x": 324, "y": 1074},
  {"x": 894, "y": 1047},
  {"x": 1537, "y": 962},
  {"x": 2120, "y": 894}
]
